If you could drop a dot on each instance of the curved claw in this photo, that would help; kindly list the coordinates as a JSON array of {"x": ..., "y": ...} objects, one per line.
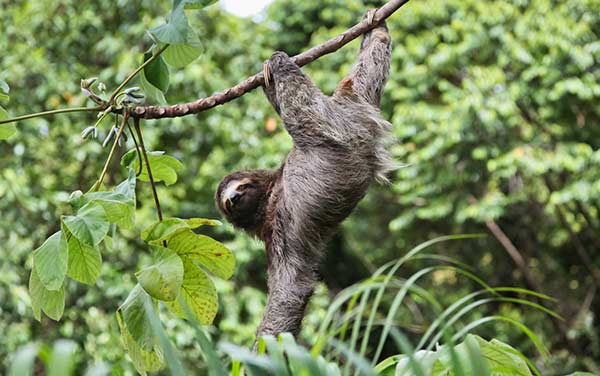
[
  {"x": 370, "y": 16},
  {"x": 267, "y": 74}
]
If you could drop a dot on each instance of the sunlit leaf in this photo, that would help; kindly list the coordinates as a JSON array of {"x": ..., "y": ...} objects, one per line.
[
  {"x": 50, "y": 260},
  {"x": 119, "y": 208},
  {"x": 213, "y": 255},
  {"x": 164, "y": 167},
  {"x": 23, "y": 361},
  {"x": 163, "y": 279},
  {"x": 134, "y": 317},
  {"x": 63, "y": 358},
  {"x": 198, "y": 292},
  {"x": 90, "y": 225},
  {"x": 6, "y": 130},
  {"x": 85, "y": 261},
  {"x": 168, "y": 227},
  {"x": 4, "y": 90}
]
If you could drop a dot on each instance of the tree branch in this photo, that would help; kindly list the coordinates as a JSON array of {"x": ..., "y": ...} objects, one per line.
[{"x": 251, "y": 83}]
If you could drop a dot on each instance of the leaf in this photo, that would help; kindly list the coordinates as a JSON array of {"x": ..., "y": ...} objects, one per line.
[
  {"x": 151, "y": 91},
  {"x": 212, "y": 254},
  {"x": 119, "y": 207},
  {"x": 42, "y": 299},
  {"x": 169, "y": 227},
  {"x": 85, "y": 261},
  {"x": 197, "y": 292},
  {"x": 198, "y": 4},
  {"x": 134, "y": 317},
  {"x": 6, "y": 130},
  {"x": 90, "y": 225},
  {"x": 175, "y": 31},
  {"x": 163, "y": 279},
  {"x": 180, "y": 55},
  {"x": 164, "y": 167},
  {"x": 4, "y": 90},
  {"x": 50, "y": 260},
  {"x": 157, "y": 72},
  {"x": 144, "y": 361},
  {"x": 63, "y": 358}
]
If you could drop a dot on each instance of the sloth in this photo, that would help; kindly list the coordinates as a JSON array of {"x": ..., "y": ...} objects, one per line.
[{"x": 338, "y": 151}]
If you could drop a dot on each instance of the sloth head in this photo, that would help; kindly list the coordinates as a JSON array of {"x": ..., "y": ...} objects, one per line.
[{"x": 242, "y": 198}]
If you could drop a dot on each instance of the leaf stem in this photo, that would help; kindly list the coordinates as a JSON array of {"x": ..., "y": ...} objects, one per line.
[
  {"x": 110, "y": 155},
  {"x": 135, "y": 72},
  {"x": 53, "y": 112},
  {"x": 136, "y": 123}
]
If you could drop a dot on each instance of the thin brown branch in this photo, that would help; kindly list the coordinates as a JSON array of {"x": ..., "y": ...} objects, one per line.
[
  {"x": 136, "y": 123},
  {"x": 251, "y": 83},
  {"x": 513, "y": 252}
]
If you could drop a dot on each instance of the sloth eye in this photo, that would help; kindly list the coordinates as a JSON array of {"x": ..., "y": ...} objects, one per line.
[{"x": 244, "y": 186}]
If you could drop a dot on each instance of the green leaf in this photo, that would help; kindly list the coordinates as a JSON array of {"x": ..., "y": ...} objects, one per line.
[
  {"x": 134, "y": 317},
  {"x": 180, "y": 55},
  {"x": 164, "y": 167},
  {"x": 119, "y": 208},
  {"x": 175, "y": 31},
  {"x": 157, "y": 72},
  {"x": 197, "y": 292},
  {"x": 6, "y": 130},
  {"x": 163, "y": 279},
  {"x": 85, "y": 261},
  {"x": 50, "y": 260},
  {"x": 4, "y": 90},
  {"x": 198, "y": 4},
  {"x": 169, "y": 227},
  {"x": 151, "y": 91},
  {"x": 42, "y": 299},
  {"x": 90, "y": 225},
  {"x": 213, "y": 255},
  {"x": 144, "y": 361}
]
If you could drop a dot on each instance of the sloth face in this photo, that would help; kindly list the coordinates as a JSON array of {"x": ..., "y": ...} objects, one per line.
[{"x": 241, "y": 197}]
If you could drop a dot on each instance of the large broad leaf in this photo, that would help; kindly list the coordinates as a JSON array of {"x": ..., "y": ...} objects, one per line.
[
  {"x": 157, "y": 72},
  {"x": 197, "y": 292},
  {"x": 85, "y": 261},
  {"x": 50, "y": 260},
  {"x": 167, "y": 228},
  {"x": 144, "y": 361},
  {"x": 134, "y": 313},
  {"x": 213, "y": 255},
  {"x": 180, "y": 55},
  {"x": 119, "y": 208},
  {"x": 164, "y": 167},
  {"x": 42, "y": 299},
  {"x": 175, "y": 31},
  {"x": 90, "y": 225},
  {"x": 6, "y": 130},
  {"x": 163, "y": 279}
]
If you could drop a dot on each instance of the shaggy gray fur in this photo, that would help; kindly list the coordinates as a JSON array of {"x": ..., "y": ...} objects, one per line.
[{"x": 338, "y": 151}]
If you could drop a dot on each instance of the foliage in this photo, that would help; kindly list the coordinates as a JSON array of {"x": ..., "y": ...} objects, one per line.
[{"x": 494, "y": 106}]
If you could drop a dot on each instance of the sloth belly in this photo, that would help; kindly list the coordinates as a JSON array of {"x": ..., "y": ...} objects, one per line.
[{"x": 325, "y": 185}]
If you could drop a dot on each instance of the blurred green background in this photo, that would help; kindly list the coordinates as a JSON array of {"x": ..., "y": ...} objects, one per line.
[{"x": 495, "y": 106}]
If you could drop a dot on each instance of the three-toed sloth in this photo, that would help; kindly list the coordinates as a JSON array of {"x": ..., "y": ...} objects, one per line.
[{"x": 338, "y": 151}]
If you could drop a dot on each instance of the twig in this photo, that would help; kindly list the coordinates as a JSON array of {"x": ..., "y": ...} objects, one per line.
[
  {"x": 53, "y": 112},
  {"x": 136, "y": 123},
  {"x": 251, "y": 83},
  {"x": 110, "y": 155}
]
